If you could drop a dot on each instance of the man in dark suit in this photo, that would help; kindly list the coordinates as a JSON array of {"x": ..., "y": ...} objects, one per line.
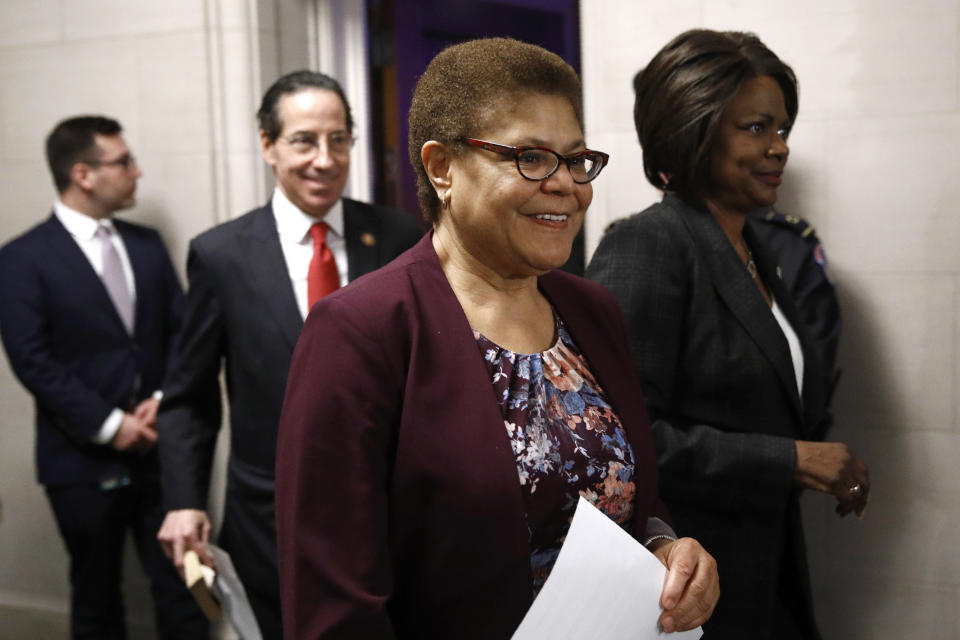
[
  {"x": 252, "y": 281},
  {"x": 89, "y": 308}
]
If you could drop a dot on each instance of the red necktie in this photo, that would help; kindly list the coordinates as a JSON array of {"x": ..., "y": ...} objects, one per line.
[{"x": 322, "y": 275}]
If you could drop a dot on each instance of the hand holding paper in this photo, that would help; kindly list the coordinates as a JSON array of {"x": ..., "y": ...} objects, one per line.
[
  {"x": 606, "y": 585},
  {"x": 182, "y": 530},
  {"x": 691, "y": 588}
]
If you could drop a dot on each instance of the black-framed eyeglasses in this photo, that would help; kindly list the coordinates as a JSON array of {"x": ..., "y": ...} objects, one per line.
[
  {"x": 539, "y": 163},
  {"x": 127, "y": 162}
]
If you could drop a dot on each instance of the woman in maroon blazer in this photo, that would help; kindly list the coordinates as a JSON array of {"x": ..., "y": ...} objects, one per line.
[{"x": 444, "y": 414}]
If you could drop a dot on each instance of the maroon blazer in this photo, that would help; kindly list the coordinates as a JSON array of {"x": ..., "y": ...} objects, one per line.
[{"x": 399, "y": 508}]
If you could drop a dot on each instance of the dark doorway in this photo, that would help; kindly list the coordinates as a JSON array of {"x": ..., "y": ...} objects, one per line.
[{"x": 404, "y": 37}]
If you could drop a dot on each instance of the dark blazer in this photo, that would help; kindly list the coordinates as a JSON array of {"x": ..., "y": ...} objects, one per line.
[
  {"x": 400, "y": 512},
  {"x": 68, "y": 346},
  {"x": 803, "y": 262},
  {"x": 718, "y": 378},
  {"x": 241, "y": 310}
]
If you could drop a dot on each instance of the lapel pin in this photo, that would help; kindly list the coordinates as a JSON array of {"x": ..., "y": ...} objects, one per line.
[
  {"x": 368, "y": 239},
  {"x": 779, "y": 272}
]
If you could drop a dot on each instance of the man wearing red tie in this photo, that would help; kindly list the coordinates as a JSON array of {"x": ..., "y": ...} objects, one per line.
[{"x": 252, "y": 282}]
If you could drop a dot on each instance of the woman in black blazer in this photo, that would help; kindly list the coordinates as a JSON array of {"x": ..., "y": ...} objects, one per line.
[{"x": 732, "y": 384}]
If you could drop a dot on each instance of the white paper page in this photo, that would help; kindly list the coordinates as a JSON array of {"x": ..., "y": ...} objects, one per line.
[
  {"x": 232, "y": 597},
  {"x": 604, "y": 585}
]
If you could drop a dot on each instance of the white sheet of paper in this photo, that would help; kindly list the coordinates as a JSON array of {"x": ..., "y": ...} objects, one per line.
[
  {"x": 232, "y": 596},
  {"x": 604, "y": 585}
]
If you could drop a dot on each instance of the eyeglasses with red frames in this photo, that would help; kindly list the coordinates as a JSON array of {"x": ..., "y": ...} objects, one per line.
[{"x": 539, "y": 163}]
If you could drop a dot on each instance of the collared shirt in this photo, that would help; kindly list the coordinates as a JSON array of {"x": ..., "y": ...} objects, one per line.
[
  {"x": 293, "y": 227},
  {"x": 83, "y": 230}
]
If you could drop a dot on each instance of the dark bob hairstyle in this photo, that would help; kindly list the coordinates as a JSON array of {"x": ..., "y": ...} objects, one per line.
[
  {"x": 682, "y": 94},
  {"x": 466, "y": 85}
]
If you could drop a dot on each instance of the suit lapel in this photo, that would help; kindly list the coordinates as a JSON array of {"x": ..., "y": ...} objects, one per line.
[
  {"x": 69, "y": 254},
  {"x": 740, "y": 294},
  {"x": 814, "y": 390},
  {"x": 450, "y": 346},
  {"x": 266, "y": 270},
  {"x": 362, "y": 234}
]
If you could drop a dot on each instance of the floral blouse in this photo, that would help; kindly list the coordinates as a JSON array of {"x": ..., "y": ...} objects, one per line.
[{"x": 567, "y": 440}]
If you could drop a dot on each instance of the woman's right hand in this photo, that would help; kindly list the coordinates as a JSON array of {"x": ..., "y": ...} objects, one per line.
[
  {"x": 832, "y": 468},
  {"x": 692, "y": 587}
]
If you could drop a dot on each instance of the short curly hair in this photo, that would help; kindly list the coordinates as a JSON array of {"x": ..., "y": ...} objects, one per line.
[
  {"x": 682, "y": 95},
  {"x": 463, "y": 86}
]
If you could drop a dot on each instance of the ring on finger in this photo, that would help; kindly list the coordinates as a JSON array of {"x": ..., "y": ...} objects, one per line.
[{"x": 856, "y": 490}]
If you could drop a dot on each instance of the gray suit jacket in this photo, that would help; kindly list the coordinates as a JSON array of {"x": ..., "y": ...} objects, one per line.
[{"x": 719, "y": 382}]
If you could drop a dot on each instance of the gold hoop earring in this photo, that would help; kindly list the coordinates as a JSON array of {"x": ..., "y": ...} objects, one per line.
[{"x": 445, "y": 200}]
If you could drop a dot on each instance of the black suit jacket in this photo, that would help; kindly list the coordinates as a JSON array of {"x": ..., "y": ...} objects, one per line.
[
  {"x": 721, "y": 389},
  {"x": 68, "y": 346},
  {"x": 241, "y": 310}
]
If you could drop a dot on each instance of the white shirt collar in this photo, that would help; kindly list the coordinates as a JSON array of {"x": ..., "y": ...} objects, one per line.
[
  {"x": 294, "y": 224},
  {"x": 80, "y": 225}
]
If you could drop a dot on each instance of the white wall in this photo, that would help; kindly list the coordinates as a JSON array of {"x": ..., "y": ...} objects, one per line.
[
  {"x": 184, "y": 77},
  {"x": 874, "y": 165}
]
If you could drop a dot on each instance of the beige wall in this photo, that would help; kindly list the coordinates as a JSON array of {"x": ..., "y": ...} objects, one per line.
[
  {"x": 184, "y": 77},
  {"x": 874, "y": 165}
]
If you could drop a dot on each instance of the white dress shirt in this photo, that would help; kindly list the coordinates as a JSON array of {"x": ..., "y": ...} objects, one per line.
[
  {"x": 293, "y": 227},
  {"x": 796, "y": 352},
  {"x": 83, "y": 229}
]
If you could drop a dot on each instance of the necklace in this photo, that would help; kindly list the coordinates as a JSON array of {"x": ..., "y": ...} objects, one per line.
[{"x": 751, "y": 265}]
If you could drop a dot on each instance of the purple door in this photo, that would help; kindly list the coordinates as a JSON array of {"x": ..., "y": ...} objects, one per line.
[{"x": 404, "y": 37}]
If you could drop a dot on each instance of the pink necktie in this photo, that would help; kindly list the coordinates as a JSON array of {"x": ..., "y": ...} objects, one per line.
[{"x": 113, "y": 278}]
